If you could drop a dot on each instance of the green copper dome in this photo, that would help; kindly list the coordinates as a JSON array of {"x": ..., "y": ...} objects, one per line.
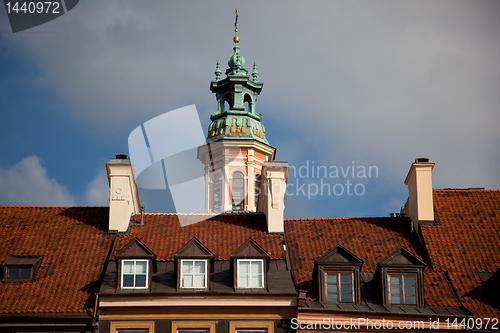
[{"x": 236, "y": 96}]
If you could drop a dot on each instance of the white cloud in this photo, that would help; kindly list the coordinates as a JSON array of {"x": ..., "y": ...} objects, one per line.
[
  {"x": 27, "y": 183},
  {"x": 97, "y": 191}
]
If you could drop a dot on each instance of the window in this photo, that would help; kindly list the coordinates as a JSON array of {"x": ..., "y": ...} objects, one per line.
[
  {"x": 402, "y": 289},
  {"x": 134, "y": 273},
  {"x": 251, "y": 327},
  {"x": 339, "y": 287},
  {"x": 194, "y": 274},
  {"x": 193, "y": 327},
  {"x": 250, "y": 273},
  {"x": 216, "y": 194},
  {"x": 238, "y": 191},
  {"x": 21, "y": 269},
  {"x": 132, "y": 327},
  {"x": 257, "y": 189}
]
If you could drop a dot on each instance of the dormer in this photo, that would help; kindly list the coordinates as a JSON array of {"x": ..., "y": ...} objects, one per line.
[
  {"x": 401, "y": 278},
  {"x": 337, "y": 277},
  {"x": 20, "y": 269},
  {"x": 193, "y": 265},
  {"x": 136, "y": 265},
  {"x": 250, "y": 263}
]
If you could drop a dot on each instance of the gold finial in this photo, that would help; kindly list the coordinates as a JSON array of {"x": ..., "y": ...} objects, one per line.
[{"x": 236, "y": 38}]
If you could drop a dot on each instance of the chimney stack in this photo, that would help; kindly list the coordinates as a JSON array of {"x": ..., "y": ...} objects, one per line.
[
  {"x": 272, "y": 194},
  {"x": 419, "y": 207},
  {"x": 123, "y": 194}
]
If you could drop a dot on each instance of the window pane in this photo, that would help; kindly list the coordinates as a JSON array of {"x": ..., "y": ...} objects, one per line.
[
  {"x": 244, "y": 267},
  {"x": 333, "y": 297},
  {"x": 409, "y": 279},
  {"x": 410, "y": 300},
  {"x": 187, "y": 267},
  {"x": 140, "y": 280},
  {"x": 332, "y": 278},
  {"x": 345, "y": 277},
  {"x": 395, "y": 279},
  {"x": 251, "y": 331},
  {"x": 410, "y": 290},
  {"x": 256, "y": 281},
  {"x": 396, "y": 299},
  {"x": 345, "y": 288},
  {"x": 346, "y": 298},
  {"x": 396, "y": 290},
  {"x": 199, "y": 281},
  {"x": 199, "y": 267},
  {"x": 128, "y": 267},
  {"x": 243, "y": 281},
  {"x": 128, "y": 280},
  {"x": 25, "y": 272},
  {"x": 12, "y": 272},
  {"x": 187, "y": 281},
  {"x": 192, "y": 331},
  {"x": 256, "y": 267},
  {"x": 333, "y": 288},
  {"x": 140, "y": 267},
  {"x": 132, "y": 331}
]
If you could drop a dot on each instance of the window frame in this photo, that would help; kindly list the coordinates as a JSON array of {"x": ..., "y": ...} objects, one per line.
[
  {"x": 122, "y": 273},
  {"x": 241, "y": 206},
  {"x": 353, "y": 292},
  {"x": 234, "y": 326},
  {"x": 403, "y": 294},
  {"x": 115, "y": 326},
  {"x": 18, "y": 263},
  {"x": 209, "y": 325},
  {"x": 262, "y": 279},
  {"x": 205, "y": 281}
]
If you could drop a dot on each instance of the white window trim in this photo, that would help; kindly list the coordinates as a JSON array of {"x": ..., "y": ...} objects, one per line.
[
  {"x": 182, "y": 274},
  {"x": 147, "y": 273},
  {"x": 250, "y": 260}
]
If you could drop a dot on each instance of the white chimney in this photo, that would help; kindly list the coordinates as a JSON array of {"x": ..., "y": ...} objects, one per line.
[
  {"x": 420, "y": 206},
  {"x": 123, "y": 195},
  {"x": 272, "y": 194}
]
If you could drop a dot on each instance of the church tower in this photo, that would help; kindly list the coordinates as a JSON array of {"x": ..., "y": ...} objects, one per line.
[{"x": 236, "y": 146}]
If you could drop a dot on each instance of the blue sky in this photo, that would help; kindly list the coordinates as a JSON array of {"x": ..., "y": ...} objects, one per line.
[{"x": 363, "y": 83}]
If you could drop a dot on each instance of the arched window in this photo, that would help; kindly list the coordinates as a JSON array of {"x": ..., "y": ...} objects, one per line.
[
  {"x": 257, "y": 189},
  {"x": 216, "y": 194},
  {"x": 238, "y": 191}
]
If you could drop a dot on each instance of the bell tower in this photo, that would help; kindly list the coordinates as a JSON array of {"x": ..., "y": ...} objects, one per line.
[{"x": 236, "y": 146}]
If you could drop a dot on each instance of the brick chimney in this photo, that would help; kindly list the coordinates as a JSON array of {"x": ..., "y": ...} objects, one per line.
[
  {"x": 419, "y": 207},
  {"x": 272, "y": 194},
  {"x": 123, "y": 194}
]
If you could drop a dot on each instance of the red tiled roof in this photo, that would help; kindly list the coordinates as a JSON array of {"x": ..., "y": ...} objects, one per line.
[
  {"x": 74, "y": 245},
  {"x": 370, "y": 239},
  {"x": 466, "y": 242},
  {"x": 221, "y": 234}
]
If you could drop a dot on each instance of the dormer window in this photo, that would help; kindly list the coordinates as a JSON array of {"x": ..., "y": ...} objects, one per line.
[
  {"x": 193, "y": 273},
  {"x": 250, "y": 273},
  {"x": 136, "y": 264},
  {"x": 337, "y": 274},
  {"x": 339, "y": 287},
  {"x": 135, "y": 273},
  {"x": 20, "y": 269},
  {"x": 401, "y": 275},
  {"x": 403, "y": 289},
  {"x": 250, "y": 264},
  {"x": 193, "y": 263}
]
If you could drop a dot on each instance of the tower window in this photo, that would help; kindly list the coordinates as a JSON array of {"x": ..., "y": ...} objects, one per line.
[
  {"x": 257, "y": 189},
  {"x": 216, "y": 194},
  {"x": 238, "y": 191}
]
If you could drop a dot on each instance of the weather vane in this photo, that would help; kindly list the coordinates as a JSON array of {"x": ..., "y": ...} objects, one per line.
[
  {"x": 236, "y": 22},
  {"x": 236, "y": 38}
]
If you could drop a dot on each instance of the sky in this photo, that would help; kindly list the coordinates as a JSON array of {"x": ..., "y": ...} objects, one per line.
[{"x": 369, "y": 85}]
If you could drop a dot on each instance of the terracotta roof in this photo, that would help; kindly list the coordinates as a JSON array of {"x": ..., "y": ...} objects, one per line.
[
  {"x": 466, "y": 242},
  {"x": 221, "y": 234},
  {"x": 370, "y": 239},
  {"x": 74, "y": 245}
]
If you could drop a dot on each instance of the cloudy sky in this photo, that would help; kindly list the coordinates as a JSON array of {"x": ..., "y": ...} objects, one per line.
[{"x": 346, "y": 84}]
